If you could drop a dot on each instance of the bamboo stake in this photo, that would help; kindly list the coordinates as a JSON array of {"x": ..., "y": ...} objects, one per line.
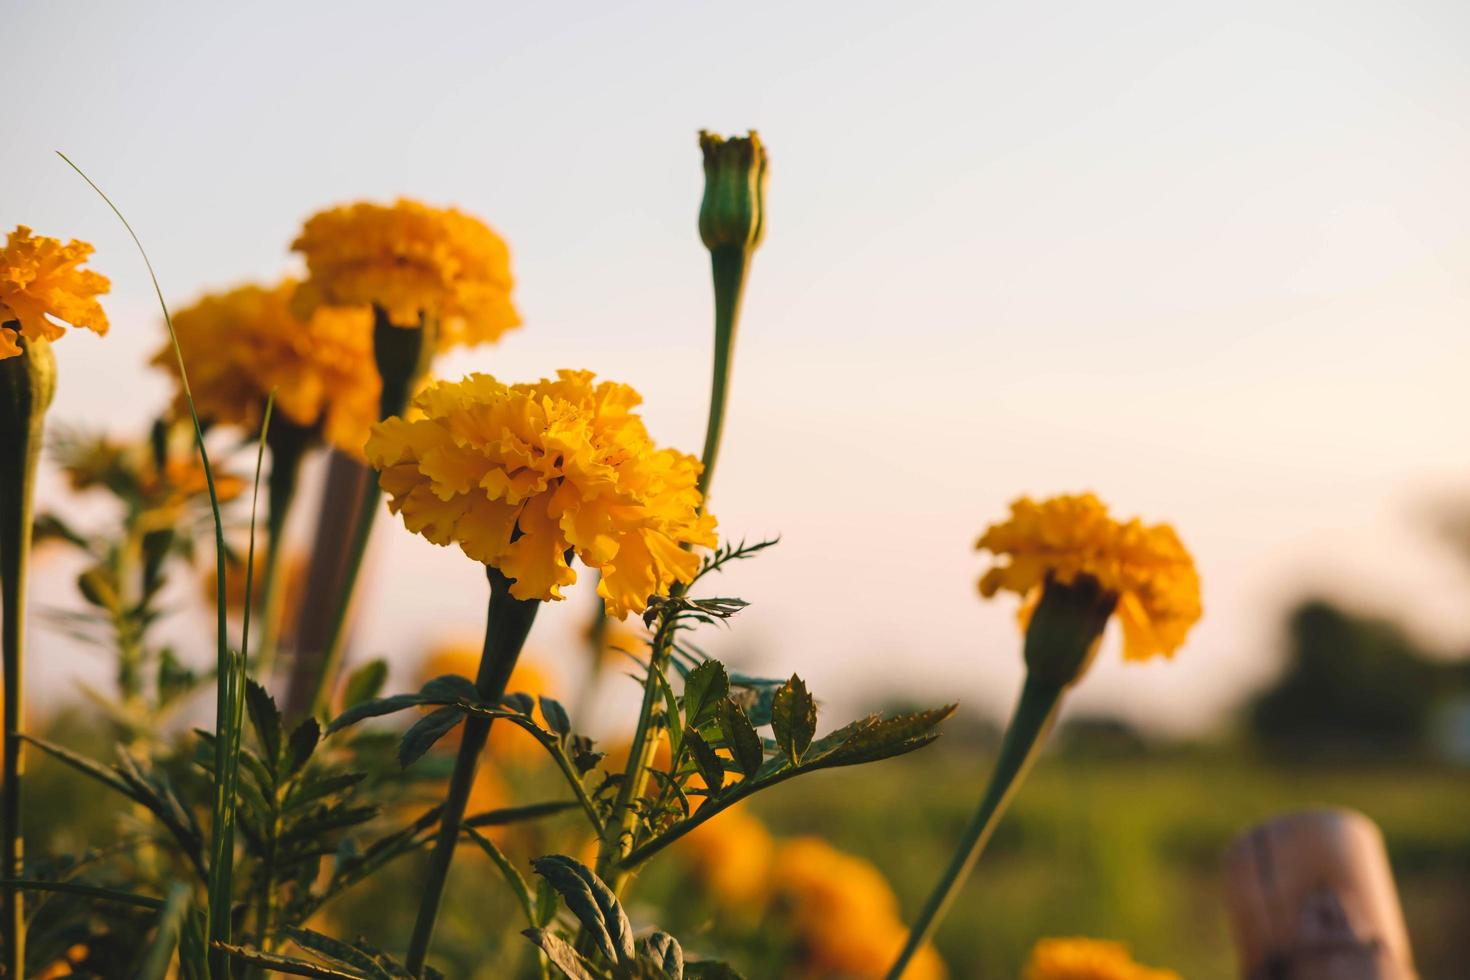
[
  {"x": 1311, "y": 897},
  {"x": 326, "y": 572}
]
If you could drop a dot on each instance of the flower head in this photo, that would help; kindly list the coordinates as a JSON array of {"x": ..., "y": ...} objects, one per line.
[
  {"x": 240, "y": 345},
  {"x": 844, "y": 913},
  {"x": 41, "y": 278},
  {"x": 1087, "y": 959},
  {"x": 1145, "y": 571},
  {"x": 412, "y": 262},
  {"x": 732, "y": 214},
  {"x": 523, "y": 476}
]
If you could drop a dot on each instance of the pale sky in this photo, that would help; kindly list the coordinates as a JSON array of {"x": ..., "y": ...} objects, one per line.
[{"x": 1208, "y": 260}]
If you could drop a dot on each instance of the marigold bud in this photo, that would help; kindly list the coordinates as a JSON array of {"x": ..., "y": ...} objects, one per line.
[
  {"x": 732, "y": 214},
  {"x": 1066, "y": 627}
]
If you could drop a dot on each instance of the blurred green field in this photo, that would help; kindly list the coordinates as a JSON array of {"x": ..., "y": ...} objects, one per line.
[
  {"x": 1129, "y": 847},
  {"x": 1124, "y": 846}
]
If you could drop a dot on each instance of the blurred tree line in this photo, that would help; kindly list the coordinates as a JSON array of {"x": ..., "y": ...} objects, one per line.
[{"x": 1358, "y": 683}]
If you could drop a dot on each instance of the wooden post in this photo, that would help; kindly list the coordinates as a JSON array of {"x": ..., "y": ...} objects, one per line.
[
  {"x": 1311, "y": 897},
  {"x": 341, "y": 495}
]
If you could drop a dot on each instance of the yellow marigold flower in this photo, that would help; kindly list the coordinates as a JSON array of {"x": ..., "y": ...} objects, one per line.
[
  {"x": 844, "y": 913},
  {"x": 522, "y": 476},
  {"x": 42, "y": 278},
  {"x": 241, "y": 344},
  {"x": 1147, "y": 569},
  {"x": 411, "y": 261},
  {"x": 1087, "y": 959}
]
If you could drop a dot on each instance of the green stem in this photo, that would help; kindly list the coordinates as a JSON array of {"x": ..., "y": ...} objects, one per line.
[
  {"x": 1033, "y": 717},
  {"x": 728, "y": 267},
  {"x": 27, "y": 382},
  {"x": 507, "y": 623},
  {"x": 288, "y": 445}
]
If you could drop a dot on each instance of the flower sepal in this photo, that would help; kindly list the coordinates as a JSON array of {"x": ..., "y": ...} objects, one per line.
[
  {"x": 27, "y": 385},
  {"x": 1066, "y": 628}
]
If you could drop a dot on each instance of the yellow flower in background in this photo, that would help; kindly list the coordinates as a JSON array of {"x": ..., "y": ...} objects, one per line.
[
  {"x": 506, "y": 743},
  {"x": 731, "y": 855},
  {"x": 1146, "y": 568},
  {"x": 241, "y": 344},
  {"x": 522, "y": 476},
  {"x": 411, "y": 261},
  {"x": 1087, "y": 959},
  {"x": 41, "y": 278},
  {"x": 844, "y": 913}
]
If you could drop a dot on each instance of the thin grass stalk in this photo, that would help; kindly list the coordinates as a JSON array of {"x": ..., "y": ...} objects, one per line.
[
  {"x": 218, "y": 924},
  {"x": 1032, "y": 719},
  {"x": 507, "y": 623},
  {"x": 28, "y": 383}
]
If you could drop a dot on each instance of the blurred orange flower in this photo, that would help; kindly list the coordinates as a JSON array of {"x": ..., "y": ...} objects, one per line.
[
  {"x": 845, "y": 914},
  {"x": 1078, "y": 958}
]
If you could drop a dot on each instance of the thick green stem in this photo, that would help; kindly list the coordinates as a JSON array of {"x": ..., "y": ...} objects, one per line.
[
  {"x": 1033, "y": 717},
  {"x": 507, "y": 624},
  {"x": 728, "y": 266},
  {"x": 288, "y": 445},
  {"x": 27, "y": 383},
  {"x": 403, "y": 355}
]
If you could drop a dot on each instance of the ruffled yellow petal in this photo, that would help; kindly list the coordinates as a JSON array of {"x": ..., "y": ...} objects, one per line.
[
  {"x": 1147, "y": 568},
  {"x": 413, "y": 262},
  {"x": 519, "y": 476},
  {"x": 241, "y": 345},
  {"x": 40, "y": 278}
]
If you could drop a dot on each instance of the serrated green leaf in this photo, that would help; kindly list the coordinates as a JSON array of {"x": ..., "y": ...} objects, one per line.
[
  {"x": 705, "y": 687},
  {"x": 562, "y": 955},
  {"x": 794, "y": 719},
  {"x": 451, "y": 686},
  {"x": 265, "y": 718},
  {"x": 337, "y": 953},
  {"x": 289, "y": 965},
  {"x": 592, "y": 902},
  {"x": 517, "y": 814},
  {"x": 301, "y": 745},
  {"x": 709, "y": 764},
  {"x": 425, "y": 732},
  {"x": 556, "y": 716},
  {"x": 741, "y": 738},
  {"x": 520, "y": 703},
  {"x": 663, "y": 953},
  {"x": 365, "y": 683},
  {"x": 885, "y": 738},
  {"x": 382, "y": 706}
]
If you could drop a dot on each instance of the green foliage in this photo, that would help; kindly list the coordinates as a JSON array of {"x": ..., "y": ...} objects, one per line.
[
  {"x": 1351, "y": 684},
  {"x": 616, "y": 955}
]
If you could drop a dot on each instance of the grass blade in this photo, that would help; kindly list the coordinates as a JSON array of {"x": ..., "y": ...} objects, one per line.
[{"x": 224, "y": 826}]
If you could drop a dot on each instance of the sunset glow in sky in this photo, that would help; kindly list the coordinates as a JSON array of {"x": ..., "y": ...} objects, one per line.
[{"x": 1211, "y": 261}]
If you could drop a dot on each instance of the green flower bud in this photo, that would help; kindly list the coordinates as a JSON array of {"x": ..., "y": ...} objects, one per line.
[
  {"x": 732, "y": 214},
  {"x": 1065, "y": 629}
]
